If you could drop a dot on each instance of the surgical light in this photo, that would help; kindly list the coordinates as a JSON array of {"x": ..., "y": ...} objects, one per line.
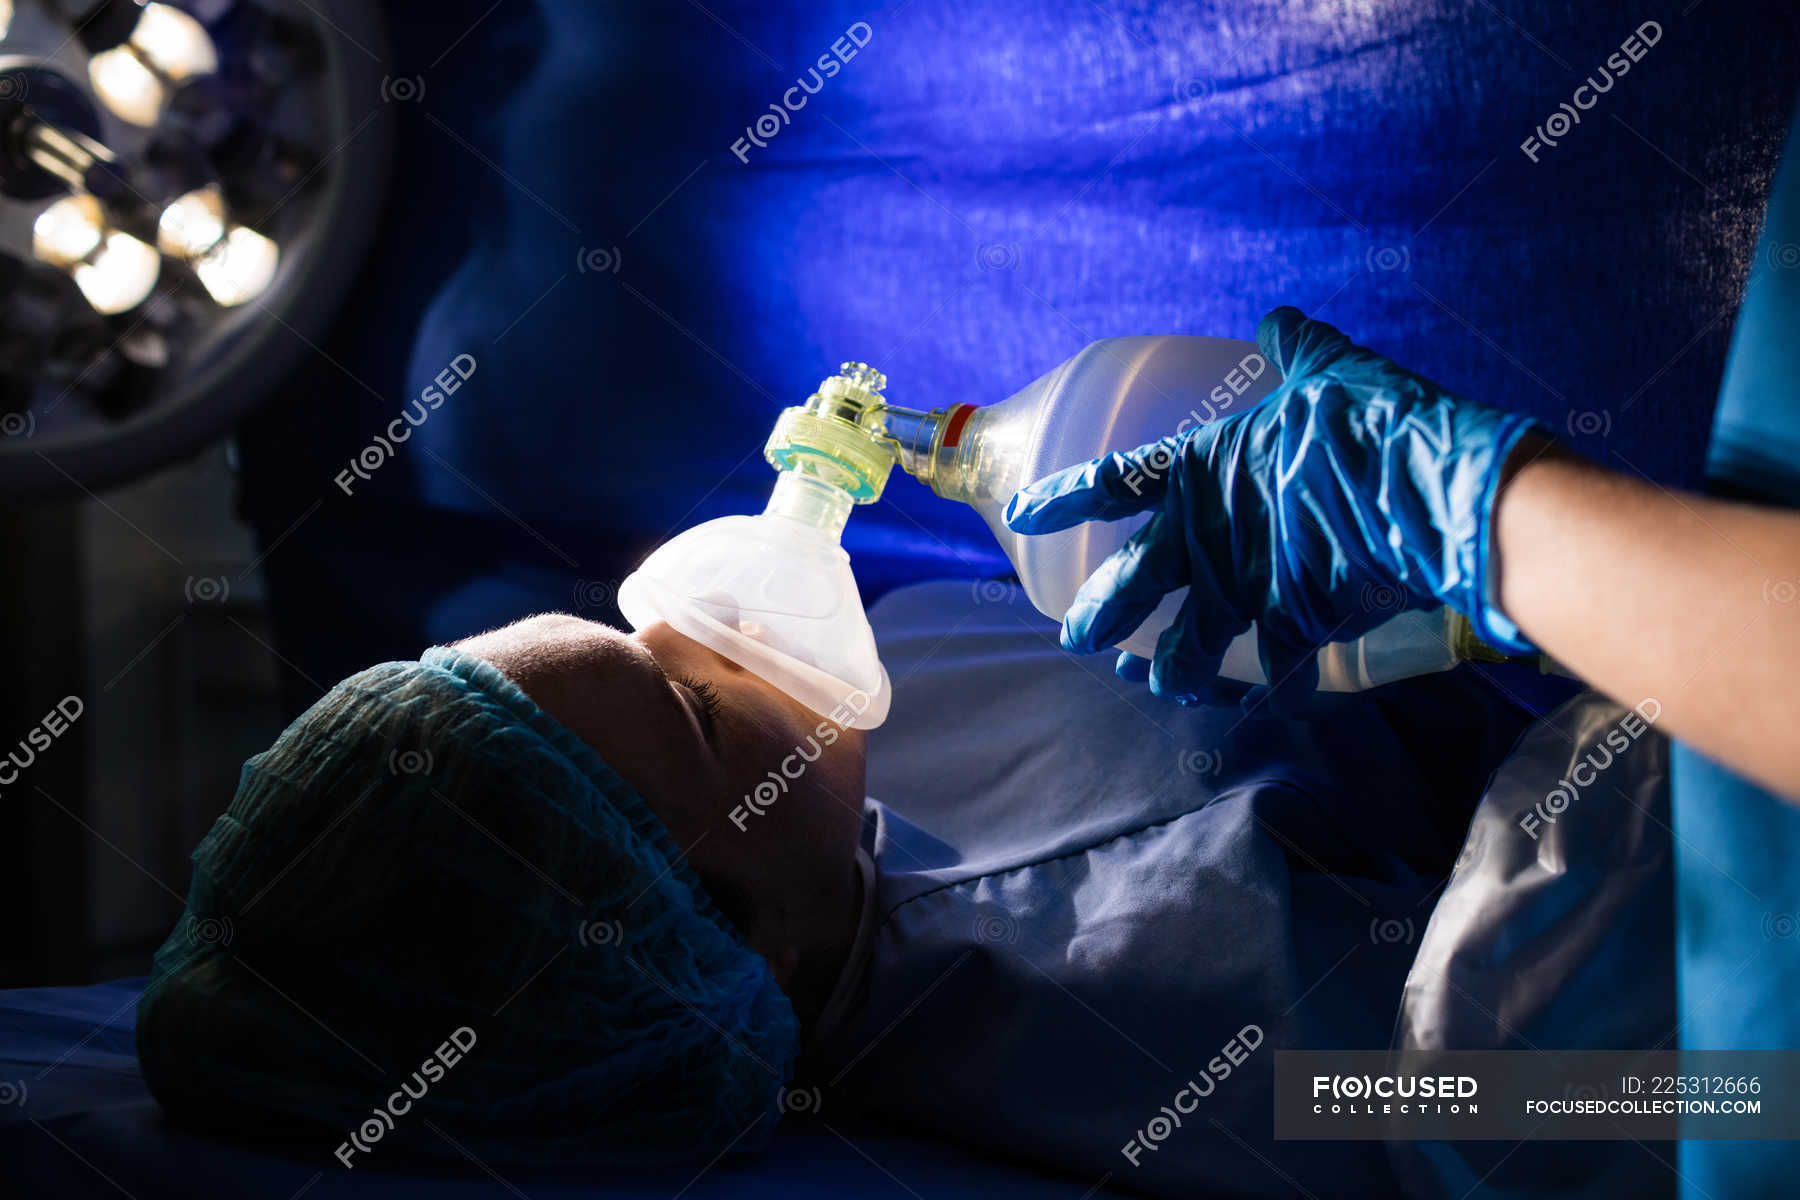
[
  {"x": 127, "y": 86},
  {"x": 115, "y": 271},
  {"x": 68, "y": 231},
  {"x": 124, "y": 108},
  {"x": 240, "y": 268},
  {"x": 193, "y": 224},
  {"x": 235, "y": 263},
  {"x": 174, "y": 44},
  {"x": 121, "y": 276},
  {"x": 166, "y": 48}
]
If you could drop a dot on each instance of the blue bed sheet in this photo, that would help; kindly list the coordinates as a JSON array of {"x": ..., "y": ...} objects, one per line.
[
  {"x": 76, "y": 1118},
  {"x": 79, "y": 1122}
]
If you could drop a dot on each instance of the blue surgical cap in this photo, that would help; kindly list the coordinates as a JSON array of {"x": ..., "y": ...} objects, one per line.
[{"x": 426, "y": 867}]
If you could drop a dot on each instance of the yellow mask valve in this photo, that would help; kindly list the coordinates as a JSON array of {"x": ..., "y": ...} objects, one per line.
[{"x": 837, "y": 436}]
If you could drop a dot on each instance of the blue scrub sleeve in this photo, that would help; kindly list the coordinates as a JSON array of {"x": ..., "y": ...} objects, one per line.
[{"x": 1737, "y": 847}]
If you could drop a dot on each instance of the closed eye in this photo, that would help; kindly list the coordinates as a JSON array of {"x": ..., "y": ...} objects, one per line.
[{"x": 707, "y": 696}]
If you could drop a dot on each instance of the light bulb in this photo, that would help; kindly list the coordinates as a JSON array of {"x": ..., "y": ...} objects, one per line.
[
  {"x": 68, "y": 231},
  {"x": 167, "y": 47},
  {"x": 194, "y": 224},
  {"x": 125, "y": 85},
  {"x": 120, "y": 275},
  {"x": 236, "y": 264},
  {"x": 114, "y": 270},
  {"x": 240, "y": 268},
  {"x": 174, "y": 44}
]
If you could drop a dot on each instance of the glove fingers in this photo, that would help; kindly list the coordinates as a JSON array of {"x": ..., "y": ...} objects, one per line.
[
  {"x": 1297, "y": 344},
  {"x": 1106, "y": 489},
  {"x": 1217, "y": 692},
  {"x": 1292, "y": 669},
  {"x": 1126, "y": 588},
  {"x": 1133, "y": 668},
  {"x": 1189, "y": 651}
]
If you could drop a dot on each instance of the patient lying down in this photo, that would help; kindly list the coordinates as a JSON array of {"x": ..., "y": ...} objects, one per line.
[
  {"x": 525, "y": 836},
  {"x": 507, "y": 900}
]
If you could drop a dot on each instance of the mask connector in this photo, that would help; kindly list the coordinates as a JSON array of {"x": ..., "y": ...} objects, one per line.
[{"x": 835, "y": 437}]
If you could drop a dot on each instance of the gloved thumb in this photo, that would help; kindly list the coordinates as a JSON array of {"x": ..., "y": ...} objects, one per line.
[{"x": 1297, "y": 344}]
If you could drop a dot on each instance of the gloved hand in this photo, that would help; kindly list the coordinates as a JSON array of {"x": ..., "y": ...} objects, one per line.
[{"x": 1353, "y": 474}]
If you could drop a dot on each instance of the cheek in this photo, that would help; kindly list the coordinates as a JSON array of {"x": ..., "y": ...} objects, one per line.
[
  {"x": 783, "y": 736},
  {"x": 841, "y": 764},
  {"x": 850, "y": 762}
]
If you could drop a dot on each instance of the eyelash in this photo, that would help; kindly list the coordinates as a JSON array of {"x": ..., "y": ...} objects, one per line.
[{"x": 705, "y": 693}]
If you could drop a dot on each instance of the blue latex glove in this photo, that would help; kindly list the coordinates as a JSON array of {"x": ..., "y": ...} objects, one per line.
[{"x": 1354, "y": 479}]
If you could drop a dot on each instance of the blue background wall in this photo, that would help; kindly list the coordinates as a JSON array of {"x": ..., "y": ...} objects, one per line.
[{"x": 987, "y": 186}]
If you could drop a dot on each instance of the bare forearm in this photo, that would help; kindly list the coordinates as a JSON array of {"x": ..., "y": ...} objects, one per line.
[{"x": 1648, "y": 593}]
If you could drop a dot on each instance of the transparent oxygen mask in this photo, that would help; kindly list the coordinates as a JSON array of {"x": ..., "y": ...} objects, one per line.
[{"x": 774, "y": 592}]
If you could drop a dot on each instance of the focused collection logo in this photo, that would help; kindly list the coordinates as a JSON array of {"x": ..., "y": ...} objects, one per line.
[{"x": 1394, "y": 1095}]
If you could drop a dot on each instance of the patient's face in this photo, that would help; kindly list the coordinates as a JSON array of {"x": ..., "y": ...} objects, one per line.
[{"x": 695, "y": 733}]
